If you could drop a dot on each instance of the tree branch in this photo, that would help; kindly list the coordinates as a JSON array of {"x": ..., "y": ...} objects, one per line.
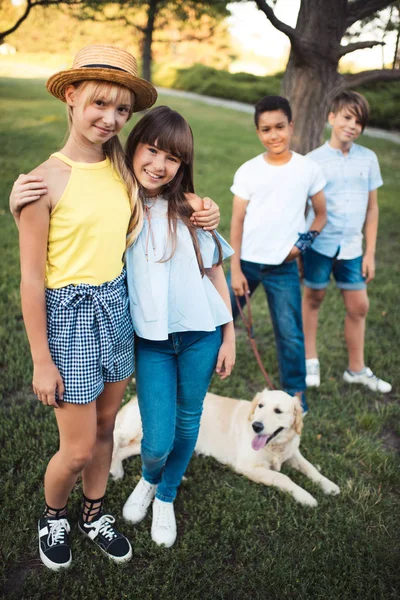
[
  {"x": 280, "y": 25},
  {"x": 360, "y": 9},
  {"x": 358, "y": 46},
  {"x": 29, "y": 6},
  {"x": 356, "y": 79}
]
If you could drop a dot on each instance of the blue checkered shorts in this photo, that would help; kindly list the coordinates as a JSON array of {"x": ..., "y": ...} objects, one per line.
[{"x": 90, "y": 336}]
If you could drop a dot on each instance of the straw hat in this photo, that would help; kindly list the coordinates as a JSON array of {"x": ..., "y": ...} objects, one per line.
[{"x": 104, "y": 63}]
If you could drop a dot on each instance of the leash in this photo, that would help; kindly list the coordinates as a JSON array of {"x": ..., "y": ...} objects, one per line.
[{"x": 250, "y": 332}]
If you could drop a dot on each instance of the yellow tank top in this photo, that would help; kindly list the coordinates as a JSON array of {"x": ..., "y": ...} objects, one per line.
[{"x": 88, "y": 226}]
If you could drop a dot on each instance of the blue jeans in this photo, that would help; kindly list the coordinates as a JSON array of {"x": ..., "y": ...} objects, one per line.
[
  {"x": 282, "y": 286},
  {"x": 172, "y": 378}
]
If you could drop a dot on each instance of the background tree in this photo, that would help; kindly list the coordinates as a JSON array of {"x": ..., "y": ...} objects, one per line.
[
  {"x": 311, "y": 77},
  {"x": 15, "y": 20},
  {"x": 196, "y": 20}
]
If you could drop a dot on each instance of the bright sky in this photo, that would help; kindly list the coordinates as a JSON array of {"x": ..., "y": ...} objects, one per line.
[{"x": 256, "y": 33}]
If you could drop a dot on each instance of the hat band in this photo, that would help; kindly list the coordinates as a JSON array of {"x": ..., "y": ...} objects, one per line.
[{"x": 98, "y": 66}]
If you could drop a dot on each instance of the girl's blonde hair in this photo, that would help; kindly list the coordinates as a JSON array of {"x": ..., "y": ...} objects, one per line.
[{"x": 96, "y": 90}]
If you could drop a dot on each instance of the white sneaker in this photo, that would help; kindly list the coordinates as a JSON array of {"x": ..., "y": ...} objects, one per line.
[
  {"x": 163, "y": 527},
  {"x": 369, "y": 380},
  {"x": 135, "y": 508},
  {"x": 312, "y": 372}
]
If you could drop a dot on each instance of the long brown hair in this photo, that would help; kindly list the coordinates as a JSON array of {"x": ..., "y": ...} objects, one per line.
[
  {"x": 113, "y": 149},
  {"x": 169, "y": 131}
]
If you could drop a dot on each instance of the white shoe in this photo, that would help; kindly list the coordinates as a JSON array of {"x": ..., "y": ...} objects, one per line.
[
  {"x": 135, "y": 508},
  {"x": 163, "y": 527},
  {"x": 368, "y": 379},
  {"x": 312, "y": 372}
]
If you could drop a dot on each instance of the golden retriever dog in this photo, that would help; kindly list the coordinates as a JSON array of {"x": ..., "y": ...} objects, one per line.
[{"x": 255, "y": 438}]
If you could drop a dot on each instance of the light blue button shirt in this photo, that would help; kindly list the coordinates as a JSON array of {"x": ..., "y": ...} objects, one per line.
[
  {"x": 349, "y": 179},
  {"x": 167, "y": 294}
]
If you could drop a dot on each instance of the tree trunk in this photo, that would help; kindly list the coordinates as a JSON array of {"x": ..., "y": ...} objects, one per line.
[
  {"x": 148, "y": 39},
  {"x": 311, "y": 77},
  {"x": 310, "y": 90}
]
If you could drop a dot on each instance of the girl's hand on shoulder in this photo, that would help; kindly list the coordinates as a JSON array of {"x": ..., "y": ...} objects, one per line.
[
  {"x": 26, "y": 189},
  {"x": 208, "y": 217},
  {"x": 46, "y": 380},
  {"x": 226, "y": 358}
]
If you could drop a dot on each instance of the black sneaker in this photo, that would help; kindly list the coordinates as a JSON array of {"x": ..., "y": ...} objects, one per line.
[
  {"x": 107, "y": 538},
  {"x": 54, "y": 548}
]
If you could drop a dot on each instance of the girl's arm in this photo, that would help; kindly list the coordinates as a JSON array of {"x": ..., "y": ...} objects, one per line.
[
  {"x": 227, "y": 351},
  {"x": 34, "y": 227},
  {"x": 26, "y": 189},
  {"x": 371, "y": 232}
]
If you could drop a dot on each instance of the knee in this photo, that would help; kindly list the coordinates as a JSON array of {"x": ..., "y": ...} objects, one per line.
[
  {"x": 358, "y": 310},
  {"x": 156, "y": 453},
  {"x": 78, "y": 459},
  {"x": 313, "y": 298}
]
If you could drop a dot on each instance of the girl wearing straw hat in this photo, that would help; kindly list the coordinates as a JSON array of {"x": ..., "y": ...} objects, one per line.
[
  {"x": 73, "y": 285},
  {"x": 73, "y": 291}
]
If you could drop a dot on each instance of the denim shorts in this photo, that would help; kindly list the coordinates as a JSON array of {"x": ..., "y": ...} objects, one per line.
[
  {"x": 90, "y": 335},
  {"x": 318, "y": 269}
]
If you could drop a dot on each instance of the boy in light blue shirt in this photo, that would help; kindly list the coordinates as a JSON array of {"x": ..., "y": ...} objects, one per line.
[{"x": 353, "y": 176}]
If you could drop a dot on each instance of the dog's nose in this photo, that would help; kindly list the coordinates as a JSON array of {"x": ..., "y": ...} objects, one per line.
[{"x": 257, "y": 426}]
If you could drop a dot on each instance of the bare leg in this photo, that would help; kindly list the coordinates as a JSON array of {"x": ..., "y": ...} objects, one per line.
[
  {"x": 356, "y": 303},
  {"x": 281, "y": 481},
  {"x": 299, "y": 463},
  {"x": 77, "y": 430},
  {"x": 95, "y": 473},
  {"x": 312, "y": 300}
]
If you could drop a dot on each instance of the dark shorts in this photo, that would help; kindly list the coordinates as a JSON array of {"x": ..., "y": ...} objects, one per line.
[
  {"x": 90, "y": 335},
  {"x": 318, "y": 269}
]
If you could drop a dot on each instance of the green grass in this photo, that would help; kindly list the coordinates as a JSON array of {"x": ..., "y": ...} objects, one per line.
[{"x": 237, "y": 539}]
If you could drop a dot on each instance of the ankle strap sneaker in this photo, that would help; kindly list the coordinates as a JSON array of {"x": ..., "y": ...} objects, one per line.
[
  {"x": 135, "y": 508},
  {"x": 369, "y": 379},
  {"x": 110, "y": 541},
  {"x": 163, "y": 527},
  {"x": 313, "y": 378},
  {"x": 54, "y": 548}
]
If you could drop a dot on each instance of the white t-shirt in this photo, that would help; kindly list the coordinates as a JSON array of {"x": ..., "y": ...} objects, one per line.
[{"x": 277, "y": 197}]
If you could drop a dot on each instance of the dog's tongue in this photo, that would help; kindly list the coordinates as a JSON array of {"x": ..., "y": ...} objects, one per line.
[{"x": 259, "y": 441}]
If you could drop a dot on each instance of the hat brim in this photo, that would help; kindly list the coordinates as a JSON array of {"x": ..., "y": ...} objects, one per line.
[{"x": 145, "y": 92}]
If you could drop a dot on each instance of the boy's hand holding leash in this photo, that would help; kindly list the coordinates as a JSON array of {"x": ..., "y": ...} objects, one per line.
[
  {"x": 239, "y": 283},
  {"x": 46, "y": 380}
]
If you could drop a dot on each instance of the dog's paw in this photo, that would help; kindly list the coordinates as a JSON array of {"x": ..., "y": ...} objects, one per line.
[
  {"x": 305, "y": 498},
  {"x": 117, "y": 472},
  {"x": 329, "y": 487}
]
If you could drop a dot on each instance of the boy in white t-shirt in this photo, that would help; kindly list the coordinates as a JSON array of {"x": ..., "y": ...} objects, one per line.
[{"x": 267, "y": 232}]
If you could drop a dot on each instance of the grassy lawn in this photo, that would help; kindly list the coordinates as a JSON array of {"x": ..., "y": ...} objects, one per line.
[{"x": 237, "y": 539}]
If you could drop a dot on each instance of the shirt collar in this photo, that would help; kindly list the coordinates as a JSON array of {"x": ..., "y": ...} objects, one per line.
[{"x": 339, "y": 152}]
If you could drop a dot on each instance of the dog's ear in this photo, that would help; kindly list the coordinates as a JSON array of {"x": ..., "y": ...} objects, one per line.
[
  {"x": 298, "y": 416},
  {"x": 253, "y": 405}
]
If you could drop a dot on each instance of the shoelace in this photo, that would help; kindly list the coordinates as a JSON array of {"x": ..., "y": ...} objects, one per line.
[
  {"x": 103, "y": 526},
  {"x": 164, "y": 517},
  {"x": 143, "y": 492},
  {"x": 57, "y": 530}
]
